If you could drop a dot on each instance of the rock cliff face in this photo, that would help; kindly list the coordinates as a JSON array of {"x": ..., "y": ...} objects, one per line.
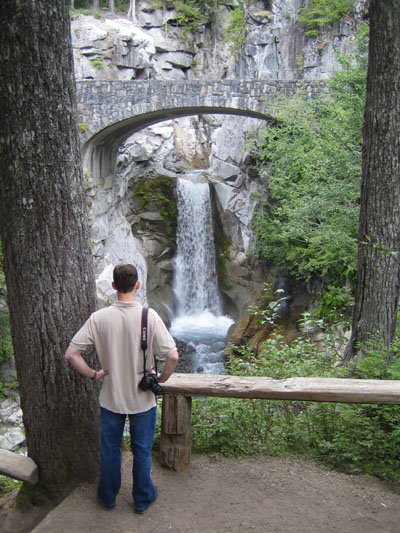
[{"x": 134, "y": 212}]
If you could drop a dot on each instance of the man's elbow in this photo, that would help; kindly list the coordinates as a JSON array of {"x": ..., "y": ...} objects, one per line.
[
  {"x": 174, "y": 356},
  {"x": 70, "y": 354}
]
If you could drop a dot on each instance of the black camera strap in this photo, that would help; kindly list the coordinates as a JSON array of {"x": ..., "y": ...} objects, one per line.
[{"x": 143, "y": 339}]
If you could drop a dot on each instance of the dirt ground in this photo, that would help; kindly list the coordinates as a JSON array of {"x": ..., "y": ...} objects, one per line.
[{"x": 264, "y": 494}]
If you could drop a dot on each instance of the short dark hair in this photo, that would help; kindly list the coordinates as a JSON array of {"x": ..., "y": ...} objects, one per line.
[{"x": 125, "y": 277}]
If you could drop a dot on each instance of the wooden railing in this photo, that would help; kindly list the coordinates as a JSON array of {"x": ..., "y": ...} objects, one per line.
[{"x": 180, "y": 388}]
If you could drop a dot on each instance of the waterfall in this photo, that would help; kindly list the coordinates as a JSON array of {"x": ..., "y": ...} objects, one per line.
[
  {"x": 195, "y": 277},
  {"x": 199, "y": 321}
]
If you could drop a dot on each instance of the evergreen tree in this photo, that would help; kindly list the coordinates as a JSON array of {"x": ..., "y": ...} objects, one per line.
[
  {"x": 378, "y": 271},
  {"x": 43, "y": 227}
]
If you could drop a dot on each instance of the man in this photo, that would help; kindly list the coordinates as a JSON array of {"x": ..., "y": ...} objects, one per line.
[{"x": 116, "y": 334}]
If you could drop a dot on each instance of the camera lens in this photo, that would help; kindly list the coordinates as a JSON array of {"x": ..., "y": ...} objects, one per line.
[{"x": 157, "y": 389}]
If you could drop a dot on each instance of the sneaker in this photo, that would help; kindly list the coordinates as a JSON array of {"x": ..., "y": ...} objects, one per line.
[
  {"x": 142, "y": 511},
  {"x": 104, "y": 506}
]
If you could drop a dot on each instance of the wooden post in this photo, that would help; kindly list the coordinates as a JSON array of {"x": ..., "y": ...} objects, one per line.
[{"x": 175, "y": 431}]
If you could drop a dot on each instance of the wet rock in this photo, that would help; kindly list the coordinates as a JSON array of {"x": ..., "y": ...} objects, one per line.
[{"x": 185, "y": 363}]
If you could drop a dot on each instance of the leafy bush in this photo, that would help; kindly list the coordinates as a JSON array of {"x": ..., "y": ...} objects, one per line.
[
  {"x": 8, "y": 485},
  {"x": 311, "y": 164},
  {"x": 193, "y": 14},
  {"x": 236, "y": 30},
  {"x": 319, "y": 13},
  {"x": 350, "y": 437}
]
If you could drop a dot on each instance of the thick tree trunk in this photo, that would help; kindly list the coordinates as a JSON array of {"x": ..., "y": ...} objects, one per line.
[
  {"x": 378, "y": 275},
  {"x": 47, "y": 260}
]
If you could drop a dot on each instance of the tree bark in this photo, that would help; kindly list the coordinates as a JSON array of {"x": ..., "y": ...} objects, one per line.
[
  {"x": 43, "y": 227},
  {"x": 132, "y": 10},
  {"x": 378, "y": 274}
]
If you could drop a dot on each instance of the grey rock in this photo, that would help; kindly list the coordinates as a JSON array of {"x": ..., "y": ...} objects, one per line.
[
  {"x": 12, "y": 439},
  {"x": 150, "y": 19},
  {"x": 175, "y": 59},
  {"x": 150, "y": 216}
]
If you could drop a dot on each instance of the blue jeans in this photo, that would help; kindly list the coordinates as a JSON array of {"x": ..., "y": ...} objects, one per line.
[{"x": 142, "y": 427}]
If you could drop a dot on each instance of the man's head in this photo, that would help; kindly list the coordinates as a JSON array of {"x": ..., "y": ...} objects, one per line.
[{"x": 125, "y": 278}]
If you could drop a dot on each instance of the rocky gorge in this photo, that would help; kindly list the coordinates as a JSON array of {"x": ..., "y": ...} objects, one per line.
[{"x": 133, "y": 210}]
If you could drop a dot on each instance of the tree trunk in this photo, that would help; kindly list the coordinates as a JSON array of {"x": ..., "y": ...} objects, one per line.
[
  {"x": 111, "y": 5},
  {"x": 132, "y": 10},
  {"x": 378, "y": 274},
  {"x": 47, "y": 259}
]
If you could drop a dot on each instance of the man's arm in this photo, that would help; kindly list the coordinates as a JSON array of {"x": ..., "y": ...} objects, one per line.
[
  {"x": 74, "y": 357},
  {"x": 169, "y": 367}
]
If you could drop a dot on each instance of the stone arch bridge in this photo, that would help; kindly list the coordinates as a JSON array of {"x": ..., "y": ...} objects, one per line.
[{"x": 110, "y": 111}]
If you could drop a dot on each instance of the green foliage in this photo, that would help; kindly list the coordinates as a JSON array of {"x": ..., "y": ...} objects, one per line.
[
  {"x": 335, "y": 304},
  {"x": 97, "y": 63},
  {"x": 236, "y": 31},
  {"x": 189, "y": 15},
  {"x": 312, "y": 167},
  {"x": 121, "y": 6},
  {"x": 7, "y": 485},
  {"x": 268, "y": 314},
  {"x": 6, "y": 350},
  {"x": 193, "y": 14},
  {"x": 364, "y": 438},
  {"x": 319, "y": 13},
  {"x": 158, "y": 193}
]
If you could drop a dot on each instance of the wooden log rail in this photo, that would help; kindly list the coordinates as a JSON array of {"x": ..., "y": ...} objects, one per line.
[
  {"x": 180, "y": 388},
  {"x": 18, "y": 467}
]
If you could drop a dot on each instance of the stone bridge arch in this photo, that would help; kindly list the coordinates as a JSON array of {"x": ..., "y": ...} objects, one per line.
[{"x": 109, "y": 112}]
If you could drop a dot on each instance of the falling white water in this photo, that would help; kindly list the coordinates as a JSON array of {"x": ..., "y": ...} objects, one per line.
[
  {"x": 198, "y": 319},
  {"x": 195, "y": 279}
]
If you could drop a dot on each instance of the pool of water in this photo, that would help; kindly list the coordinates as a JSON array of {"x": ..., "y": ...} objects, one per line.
[{"x": 206, "y": 332}]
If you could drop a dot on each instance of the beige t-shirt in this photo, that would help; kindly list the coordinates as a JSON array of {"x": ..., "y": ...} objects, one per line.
[{"x": 115, "y": 332}]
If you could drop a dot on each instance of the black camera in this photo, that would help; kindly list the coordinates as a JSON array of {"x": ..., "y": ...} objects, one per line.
[{"x": 150, "y": 382}]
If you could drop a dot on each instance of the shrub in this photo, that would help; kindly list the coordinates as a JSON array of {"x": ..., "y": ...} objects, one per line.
[
  {"x": 350, "y": 437},
  {"x": 311, "y": 165},
  {"x": 97, "y": 63},
  {"x": 236, "y": 30},
  {"x": 319, "y": 13}
]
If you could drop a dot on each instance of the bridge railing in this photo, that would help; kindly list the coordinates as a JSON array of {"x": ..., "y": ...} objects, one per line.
[{"x": 180, "y": 388}]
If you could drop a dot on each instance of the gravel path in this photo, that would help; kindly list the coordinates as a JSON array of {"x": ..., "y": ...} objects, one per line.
[{"x": 263, "y": 494}]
